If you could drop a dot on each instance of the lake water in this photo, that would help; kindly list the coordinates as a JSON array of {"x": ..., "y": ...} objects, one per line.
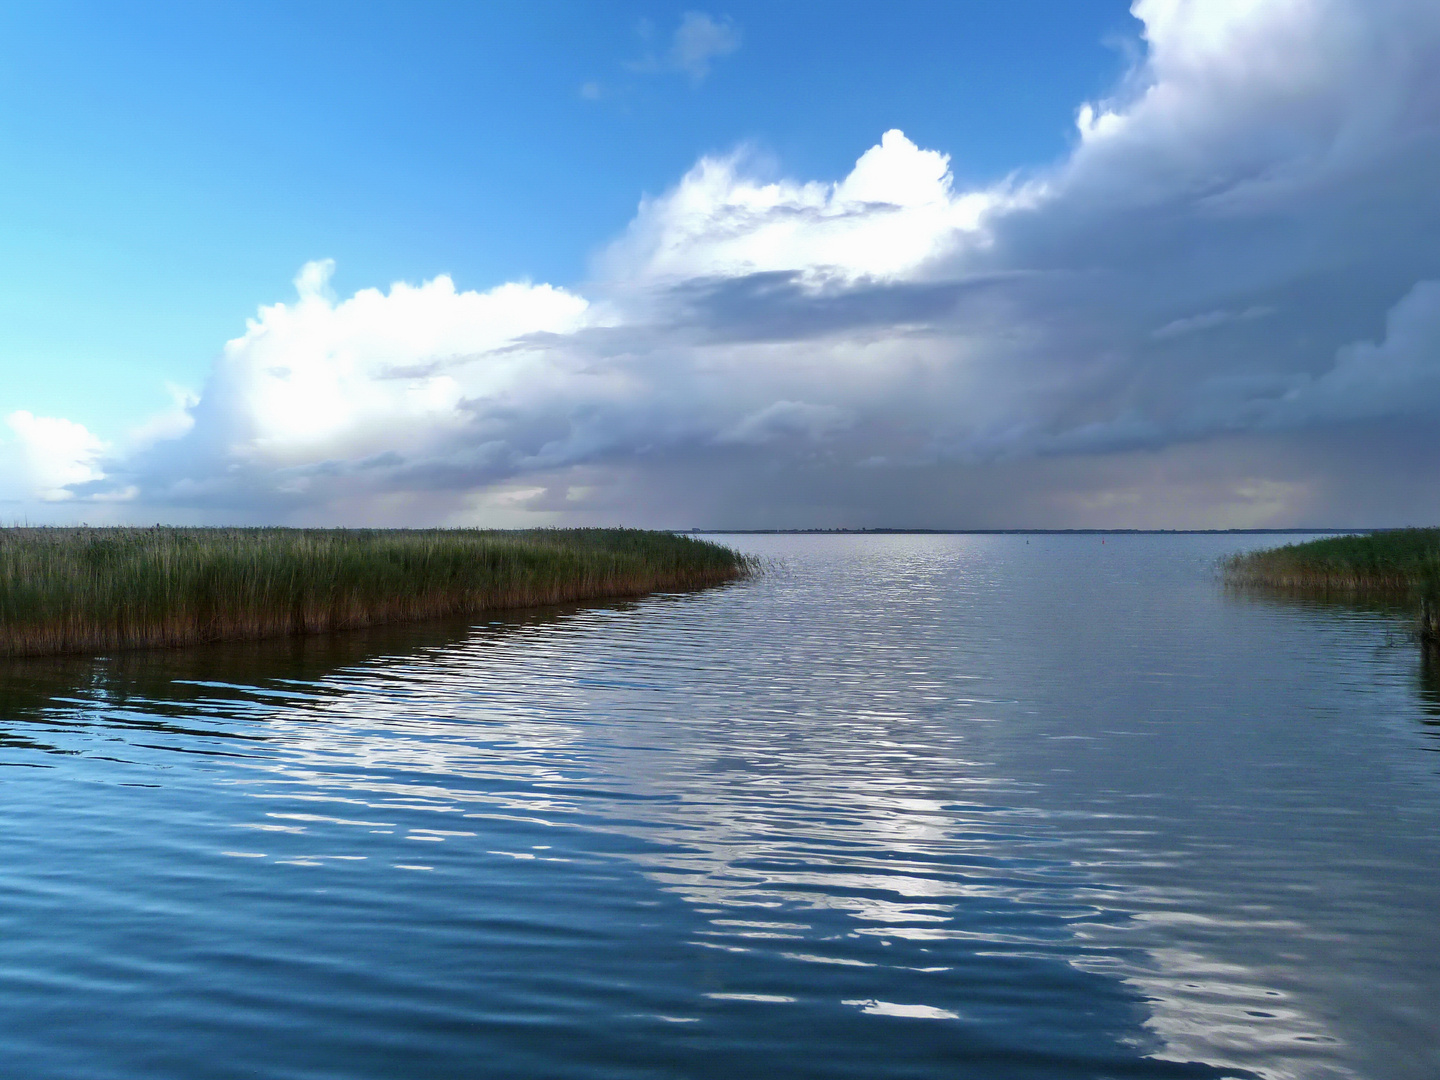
[{"x": 979, "y": 807}]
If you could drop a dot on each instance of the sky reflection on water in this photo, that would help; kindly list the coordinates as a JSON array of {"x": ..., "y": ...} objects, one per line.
[{"x": 905, "y": 806}]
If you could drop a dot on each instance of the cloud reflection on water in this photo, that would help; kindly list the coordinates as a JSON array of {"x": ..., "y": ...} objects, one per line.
[{"x": 818, "y": 777}]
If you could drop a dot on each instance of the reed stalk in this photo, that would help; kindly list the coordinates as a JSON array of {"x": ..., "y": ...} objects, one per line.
[{"x": 92, "y": 590}]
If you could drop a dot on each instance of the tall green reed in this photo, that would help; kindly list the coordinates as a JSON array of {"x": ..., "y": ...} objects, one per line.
[
  {"x": 88, "y": 590},
  {"x": 1399, "y": 564}
]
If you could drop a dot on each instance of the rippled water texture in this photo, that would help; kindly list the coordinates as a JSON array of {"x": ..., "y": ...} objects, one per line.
[{"x": 909, "y": 806}]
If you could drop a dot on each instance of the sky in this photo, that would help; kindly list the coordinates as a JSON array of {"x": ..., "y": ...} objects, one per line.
[{"x": 1169, "y": 264}]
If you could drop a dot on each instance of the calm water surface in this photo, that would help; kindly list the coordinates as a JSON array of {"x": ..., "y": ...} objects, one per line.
[{"x": 906, "y": 806}]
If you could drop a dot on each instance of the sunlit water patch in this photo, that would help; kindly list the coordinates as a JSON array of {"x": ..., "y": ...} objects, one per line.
[{"x": 983, "y": 807}]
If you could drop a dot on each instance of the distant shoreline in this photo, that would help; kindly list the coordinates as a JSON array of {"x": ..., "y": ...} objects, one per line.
[{"x": 1027, "y": 532}]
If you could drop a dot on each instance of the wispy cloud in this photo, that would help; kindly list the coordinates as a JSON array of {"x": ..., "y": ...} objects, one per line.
[
  {"x": 1194, "y": 324},
  {"x": 697, "y": 42}
]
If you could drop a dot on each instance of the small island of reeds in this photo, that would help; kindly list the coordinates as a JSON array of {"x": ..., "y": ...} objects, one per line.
[
  {"x": 1396, "y": 564},
  {"x": 86, "y": 590}
]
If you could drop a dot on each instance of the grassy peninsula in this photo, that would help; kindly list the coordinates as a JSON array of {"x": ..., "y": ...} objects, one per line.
[
  {"x": 99, "y": 589},
  {"x": 1398, "y": 564}
]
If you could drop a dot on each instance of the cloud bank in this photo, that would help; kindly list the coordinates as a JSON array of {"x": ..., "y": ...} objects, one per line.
[{"x": 1221, "y": 308}]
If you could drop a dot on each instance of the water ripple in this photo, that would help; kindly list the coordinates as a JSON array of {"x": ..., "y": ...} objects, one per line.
[{"x": 904, "y": 806}]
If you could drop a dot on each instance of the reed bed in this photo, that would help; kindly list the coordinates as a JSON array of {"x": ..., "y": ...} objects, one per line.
[
  {"x": 1400, "y": 565},
  {"x": 101, "y": 589},
  {"x": 1397, "y": 563}
]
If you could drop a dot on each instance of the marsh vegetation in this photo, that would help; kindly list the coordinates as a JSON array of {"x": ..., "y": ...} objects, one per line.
[
  {"x": 99, "y": 589},
  {"x": 1401, "y": 565}
]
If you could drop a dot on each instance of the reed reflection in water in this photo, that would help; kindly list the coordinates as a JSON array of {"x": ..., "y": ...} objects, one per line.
[{"x": 905, "y": 806}]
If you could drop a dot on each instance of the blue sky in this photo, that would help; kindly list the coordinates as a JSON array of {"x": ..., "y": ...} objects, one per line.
[
  {"x": 1170, "y": 263},
  {"x": 171, "y": 166}
]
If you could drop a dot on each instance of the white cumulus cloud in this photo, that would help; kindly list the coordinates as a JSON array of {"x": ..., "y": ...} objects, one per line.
[
  {"x": 55, "y": 454},
  {"x": 893, "y": 213}
]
